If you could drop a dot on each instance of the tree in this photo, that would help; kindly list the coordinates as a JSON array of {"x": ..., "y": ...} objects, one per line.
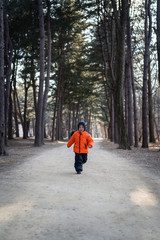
[
  {"x": 107, "y": 45},
  {"x": 38, "y": 127},
  {"x": 8, "y": 57},
  {"x": 48, "y": 70},
  {"x": 2, "y": 109},
  {"x": 150, "y": 106},
  {"x": 148, "y": 29},
  {"x": 119, "y": 114},
  {"x": 130, "y": 83}
]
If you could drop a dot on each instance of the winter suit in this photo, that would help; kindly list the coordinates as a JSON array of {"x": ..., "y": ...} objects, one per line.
[{"x": 81, "y": 142}]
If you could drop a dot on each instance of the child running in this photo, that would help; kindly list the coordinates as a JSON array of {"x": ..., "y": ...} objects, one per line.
[{"x": 82, "y": 140}]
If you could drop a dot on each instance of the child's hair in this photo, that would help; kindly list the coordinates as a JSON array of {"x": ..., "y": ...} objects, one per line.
[{"x": 83, "y": 124}]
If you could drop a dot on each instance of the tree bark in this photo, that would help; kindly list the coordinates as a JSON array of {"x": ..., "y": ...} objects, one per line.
[
  {"x": 77, "y": 113},
  {"x": 25, "y": 128},
  {"x": 2, "y": 110},
  {"x": 150, "y": 108},
  {"x": 157, "y": 130},
  {"x": 14, "y": 99},
  {"x": 89, "y": 122},
  {"x": 112, "y": 117},
  {"x": 33, "y": 83},
  {"x": 8, "y": 55},
  {"x": 59, "y": 103},
  {"x": 54, "y": 116},
  {"x": 126, "y": 94},
  {"x": 73, "y": 117},
  {"x": 18, "y": 112},
  {"x": 135, "y": 112},
  {"x": 10, "y": 122},
  {"x": 129, "y": 78},
  {"x": 130, "y": 109},
  {"x": 130, "y": 60},
  {"x": 129, "y": 104},
  {"x": 61, "y": 119},
  {"x": 69, "y": 123},
  {"x": 38, "y": 128},
  {"x": 145, "y": 75},
  {"x": 48, "y": 70},
  {"x": 122, "y": 136},
  {"x": 54, "y": 120}
]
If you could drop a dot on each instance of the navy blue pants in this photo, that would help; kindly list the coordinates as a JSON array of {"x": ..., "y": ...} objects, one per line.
[{"x": 80, "y": 159}]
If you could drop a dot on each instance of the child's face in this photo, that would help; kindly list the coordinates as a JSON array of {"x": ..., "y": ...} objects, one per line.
[{"x": 81, "y": 128}]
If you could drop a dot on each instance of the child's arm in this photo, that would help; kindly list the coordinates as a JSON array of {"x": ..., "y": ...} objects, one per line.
[
  {"x": 71, "y": 141},
  {"x": 90, "y": 141}
]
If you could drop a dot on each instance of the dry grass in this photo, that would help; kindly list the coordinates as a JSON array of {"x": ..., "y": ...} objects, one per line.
[
  {"x": 146, "y": 158},
  {"x": 19, "y": 149}
]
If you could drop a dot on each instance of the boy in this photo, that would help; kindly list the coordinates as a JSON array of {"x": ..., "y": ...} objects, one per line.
[{"x": 82, "y": 140}]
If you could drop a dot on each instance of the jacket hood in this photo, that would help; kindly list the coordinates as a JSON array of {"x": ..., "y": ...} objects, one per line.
[{"x": 84, "y": 125}]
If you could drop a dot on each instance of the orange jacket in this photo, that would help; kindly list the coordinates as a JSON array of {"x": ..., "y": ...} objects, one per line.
[{"x": 81, "y": 141}]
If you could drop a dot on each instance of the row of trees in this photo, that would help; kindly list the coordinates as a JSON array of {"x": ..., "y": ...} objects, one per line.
[
  {"x": 63, "y": 61},
  {"x": 117, "y": 31},
  {"x": 58, "y": 25}
]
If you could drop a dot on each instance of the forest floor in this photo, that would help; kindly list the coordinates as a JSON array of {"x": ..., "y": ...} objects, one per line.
[
  {"x": 145, "y": 158},
  {"x": 116, "y": 197}
]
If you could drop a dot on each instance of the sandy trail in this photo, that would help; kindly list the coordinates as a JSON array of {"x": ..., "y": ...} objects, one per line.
[{"x": 44, "y": 199}]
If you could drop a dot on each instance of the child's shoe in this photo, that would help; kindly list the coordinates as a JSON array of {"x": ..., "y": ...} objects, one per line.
[{"x": 78, "y": 172}]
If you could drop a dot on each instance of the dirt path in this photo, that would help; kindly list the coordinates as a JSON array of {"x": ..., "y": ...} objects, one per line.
[{"x": 113, "y": 199}]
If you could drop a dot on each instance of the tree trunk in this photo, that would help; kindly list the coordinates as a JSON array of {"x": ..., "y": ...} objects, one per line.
[
  {"x": 150, "y": 108},
  {"x": 116, "y": 137},
  {"x": 60, "y": 116},
  {"x": 38, "y": 128},
  {"x": 59, "y": 103},
  {"x": 73, "y": 118},
  {"x": 54, "y": 120},
  {"x": 145, "y": 74},
  {"x": 129, "y": 104},
  {"x": 10, "y": 122},
  {"x": 69, "y": 123},
  {"x": 135, "y": 112},
  {"x": 44, "y": 132},
  {"x": 129, "y": 78},
  {"x": 157, "y": 130},
  {"x": 77, "y": 114},
  {"x": 48, "y": 70},
  {"x": 8, "y": 55},
  {"x": 2, "y": 113},
  {"x": 89, "y": 122},
  {"x": 18, "y": 112},
  {"x": 25, "y": 129},
  {"x": 33, "y": 83},
  {"x": 33, "y": 126},
  {"x": 158, "y": 36},
  {"x": 112, "y": 118},
  {"x": 14, "y": 101},
  {"x": 122, "y": 136},
  {"x": 130, "y": 109},
  {"x": 130, "y": 61},
  {"x": 54, "y": 117},
  {"x": 126, "y": 94}
]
